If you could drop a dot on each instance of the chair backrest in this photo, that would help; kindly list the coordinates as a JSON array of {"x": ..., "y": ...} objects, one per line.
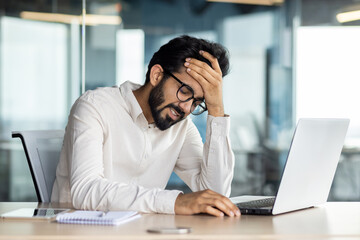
[{"x": 42, "y": 150}]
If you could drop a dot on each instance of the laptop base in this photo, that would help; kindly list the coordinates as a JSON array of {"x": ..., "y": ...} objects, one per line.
[{"x": 256, "y": 211}]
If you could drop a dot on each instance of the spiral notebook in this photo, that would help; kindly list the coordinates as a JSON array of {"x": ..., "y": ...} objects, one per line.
[{"x": 98, "y": 217}]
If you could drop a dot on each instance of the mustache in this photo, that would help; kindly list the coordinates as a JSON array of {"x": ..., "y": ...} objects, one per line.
[{"x": 176, "y": 108}]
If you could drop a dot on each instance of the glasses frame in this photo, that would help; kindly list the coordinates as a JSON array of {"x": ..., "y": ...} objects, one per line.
[{"x": 190, "y": 98}]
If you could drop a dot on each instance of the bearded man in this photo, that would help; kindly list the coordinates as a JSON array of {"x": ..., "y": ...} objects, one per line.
[{"x": 122, "y": 143}]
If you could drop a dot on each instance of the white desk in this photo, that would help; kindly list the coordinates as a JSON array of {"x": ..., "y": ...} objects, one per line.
[{"x": 331, "y": 221}]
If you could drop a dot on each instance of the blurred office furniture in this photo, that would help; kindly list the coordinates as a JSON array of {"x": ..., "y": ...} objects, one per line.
[
  {"x": 256, "y": 165},
  {"x": 42, "y": 150},
  {"x": 346, "y": 184}
]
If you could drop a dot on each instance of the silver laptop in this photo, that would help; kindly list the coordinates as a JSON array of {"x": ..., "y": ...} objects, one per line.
[{"x": 309, "y": 170}]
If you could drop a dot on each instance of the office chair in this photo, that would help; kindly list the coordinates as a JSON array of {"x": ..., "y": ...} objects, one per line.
[{"x": 42, "y": 150}]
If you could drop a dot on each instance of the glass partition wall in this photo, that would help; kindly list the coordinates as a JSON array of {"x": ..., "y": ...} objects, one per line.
[
  {"x": 53, "y": 51},
  {"x": 40, "y": 48}
]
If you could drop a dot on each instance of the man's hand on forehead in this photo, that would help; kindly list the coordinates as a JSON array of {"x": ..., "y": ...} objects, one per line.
[{"x": 210, "y": 79}]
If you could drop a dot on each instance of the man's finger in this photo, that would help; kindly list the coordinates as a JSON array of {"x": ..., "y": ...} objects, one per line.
[
  {"x": 200, "y": 72},
  {"x": 232, "y": 206},
  {"x": 200, "y": 79},
  {"x": 191, "y": 62},
  {"x": 213, "y": 60},
  {"x": 212, "y": 211},
  {"x": 223, "y": 203}
]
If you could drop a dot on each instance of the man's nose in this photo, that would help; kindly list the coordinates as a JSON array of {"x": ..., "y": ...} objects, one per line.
[{"x": 186, "y": 106}]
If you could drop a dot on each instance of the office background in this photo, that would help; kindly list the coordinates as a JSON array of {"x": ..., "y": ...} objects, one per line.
[{"x": 289, "y": 59}]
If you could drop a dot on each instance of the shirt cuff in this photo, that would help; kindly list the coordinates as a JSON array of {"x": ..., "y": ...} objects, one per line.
[
  {"x": 218, "y": 126},
  {"x": 165, "y": 201}
]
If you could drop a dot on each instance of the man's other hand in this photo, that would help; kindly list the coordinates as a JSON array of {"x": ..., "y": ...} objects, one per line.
[{"x": 206, "y": 201}]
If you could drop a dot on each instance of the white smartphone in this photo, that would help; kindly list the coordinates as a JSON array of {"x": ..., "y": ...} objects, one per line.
[
  {"x": 174, "y": 230},
  {"x": 34, "y": 213}
]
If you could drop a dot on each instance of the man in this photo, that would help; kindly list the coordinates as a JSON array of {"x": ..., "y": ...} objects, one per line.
[{"x": 122, "y": 144}]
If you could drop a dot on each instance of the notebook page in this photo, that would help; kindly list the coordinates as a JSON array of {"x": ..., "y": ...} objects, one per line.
[{"x": 97, "y": 218}]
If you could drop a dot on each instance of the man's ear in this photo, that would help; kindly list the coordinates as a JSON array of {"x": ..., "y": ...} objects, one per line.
[{"x": 156, "y": 74}]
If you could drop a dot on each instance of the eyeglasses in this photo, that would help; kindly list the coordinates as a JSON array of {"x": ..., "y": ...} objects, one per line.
[{"x": 185, "y": 93}]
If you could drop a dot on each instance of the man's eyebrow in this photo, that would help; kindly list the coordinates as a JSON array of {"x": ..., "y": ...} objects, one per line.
[{"x": 200, "y": 99}]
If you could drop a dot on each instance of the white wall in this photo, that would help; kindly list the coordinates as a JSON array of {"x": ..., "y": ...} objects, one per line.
[{"x": 328, "y": 75}]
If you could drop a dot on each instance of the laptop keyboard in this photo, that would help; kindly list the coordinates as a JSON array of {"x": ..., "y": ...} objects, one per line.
[{"x": 266, "y": 202}]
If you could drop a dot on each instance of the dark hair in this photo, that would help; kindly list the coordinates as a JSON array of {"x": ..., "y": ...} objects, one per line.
[{"x": 172, "y": 55}]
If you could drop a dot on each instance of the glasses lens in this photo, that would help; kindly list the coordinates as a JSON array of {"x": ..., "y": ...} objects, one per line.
[
  {"x": 185, "y": 93},
  {"x": 198, "y": 107}
]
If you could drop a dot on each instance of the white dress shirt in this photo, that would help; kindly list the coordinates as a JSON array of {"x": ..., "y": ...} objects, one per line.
[{"x": 112, "y": 158}]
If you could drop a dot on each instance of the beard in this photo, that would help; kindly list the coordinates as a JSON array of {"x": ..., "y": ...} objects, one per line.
[{"x": 156, "y": 98}]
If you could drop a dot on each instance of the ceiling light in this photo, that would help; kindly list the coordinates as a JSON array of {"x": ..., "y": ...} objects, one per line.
[
  {"x": 348, "y": 16},
  {"x": 255, "y": 2},
  {"x": 90, "y": 19}
]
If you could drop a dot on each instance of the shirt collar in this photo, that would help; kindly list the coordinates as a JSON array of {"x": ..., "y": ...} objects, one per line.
[{"x": 126, "y": 90}]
